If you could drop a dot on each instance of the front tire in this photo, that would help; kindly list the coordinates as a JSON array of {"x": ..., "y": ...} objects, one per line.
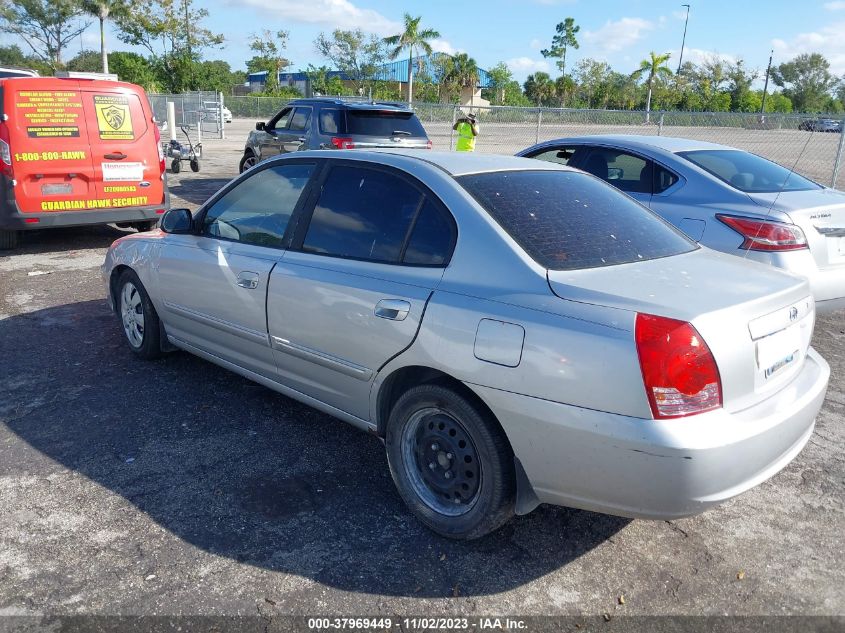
[
  {"x": 176, "y": 166},
  {"x": 138, "y": 317},
  {"x": 451, "y": 462},
  {"x": 249, "y": 160}
]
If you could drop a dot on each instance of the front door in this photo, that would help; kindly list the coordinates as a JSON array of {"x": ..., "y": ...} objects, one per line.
[
  {"x": 270, "y": 142},
  {"x": 214, "y": 282},
  {"x": 351, "y": 292}
]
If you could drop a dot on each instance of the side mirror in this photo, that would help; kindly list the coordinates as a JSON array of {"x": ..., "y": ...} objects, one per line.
[
  {"x": 177, "y": 221},
  {"x": 614, "y": 173},
  {"x": 260, "y": 126}
]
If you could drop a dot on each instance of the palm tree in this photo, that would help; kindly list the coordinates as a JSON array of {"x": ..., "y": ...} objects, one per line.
[
  {"x": 102, "y": 10},
  {"x": 465, "y": 73},
  {"x": 412, "y": 40},
  {"x": 654, "y": 66}
]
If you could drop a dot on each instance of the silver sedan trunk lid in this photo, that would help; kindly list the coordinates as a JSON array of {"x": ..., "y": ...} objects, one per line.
[
  {"x": 757, "y": 321},
  {"x": 821, "y": 215}
]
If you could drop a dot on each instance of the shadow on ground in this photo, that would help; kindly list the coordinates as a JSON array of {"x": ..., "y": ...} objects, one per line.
[
  {"x": 240, "y": 471},
  {"x": 66, "y": 239},
  {"x": 194, "y": 190}
]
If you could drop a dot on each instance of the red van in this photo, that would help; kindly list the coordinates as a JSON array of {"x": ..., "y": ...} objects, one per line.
[{"x": 77, "y": 151}]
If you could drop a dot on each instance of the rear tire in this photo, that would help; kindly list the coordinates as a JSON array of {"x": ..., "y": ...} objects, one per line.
[
  {"x": 451, "y": 462},
  {"x": 195, "y": 165},
  {"x": 8, "y": 240},
  {"x": 138, "y": 318},
  {"x": 176, "y": 166}
]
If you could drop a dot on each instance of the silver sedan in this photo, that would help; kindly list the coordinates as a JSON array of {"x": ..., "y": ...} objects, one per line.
[
  {"x": 511, "y": 344},
  {"x": 724, "y": 198}
]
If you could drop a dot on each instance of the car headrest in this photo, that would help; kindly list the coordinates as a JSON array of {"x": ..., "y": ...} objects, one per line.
[
  {"x": 742, "y": 180},
  {"x": 597, "y": 165}
]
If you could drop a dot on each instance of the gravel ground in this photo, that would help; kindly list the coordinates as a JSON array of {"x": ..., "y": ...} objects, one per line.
[{"x": 177, "y": 488}]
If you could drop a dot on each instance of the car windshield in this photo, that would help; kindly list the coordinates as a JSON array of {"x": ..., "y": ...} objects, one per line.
[
  {"x": 383, "y": 123},
  {"x": 748, "y": 172},
  {"x": 567, "y": 220}
]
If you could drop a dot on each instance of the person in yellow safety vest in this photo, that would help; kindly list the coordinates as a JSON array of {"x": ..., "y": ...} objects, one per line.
[{"x": 467, "y": 129}]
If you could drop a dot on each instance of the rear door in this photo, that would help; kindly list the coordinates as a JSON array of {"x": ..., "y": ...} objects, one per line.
[
  {"x": 351, "y": 292},
  {"x": 48, "y": 139},
  {"x": 123, "y": 146}
]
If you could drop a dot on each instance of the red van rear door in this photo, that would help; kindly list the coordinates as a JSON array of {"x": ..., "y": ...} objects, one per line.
[
  {"x": 123, "y": 145},
  {"x": 48, "y": 140}
]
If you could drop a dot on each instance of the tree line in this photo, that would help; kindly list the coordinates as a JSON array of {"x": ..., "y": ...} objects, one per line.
[{"x": 177, "y": 48}]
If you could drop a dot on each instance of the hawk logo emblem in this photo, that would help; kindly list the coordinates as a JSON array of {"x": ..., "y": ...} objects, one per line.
[{"x": 114, "y": 116}]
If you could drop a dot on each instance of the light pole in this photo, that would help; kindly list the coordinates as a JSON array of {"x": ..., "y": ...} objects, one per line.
[
  {"x": 683, "y": 41},
  {"x": 766, "y": 84}
]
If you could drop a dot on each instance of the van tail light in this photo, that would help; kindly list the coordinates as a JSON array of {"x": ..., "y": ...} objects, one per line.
[
  {"x": 680, "y": 375},
  {"x": 5, "y": 151},
  {"x": 763, "y": 235},
  {"x": 340, "y": 142},
  {"x": 428, "y": 145},
  {"x": 157, "y": 136}
]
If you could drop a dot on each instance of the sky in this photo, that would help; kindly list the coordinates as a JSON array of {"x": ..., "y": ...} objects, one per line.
[{"x": 620, "y": 32}]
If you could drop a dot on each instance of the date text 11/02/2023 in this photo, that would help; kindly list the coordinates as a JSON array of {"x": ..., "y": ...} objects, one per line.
[{"x": 418, "y": 624}]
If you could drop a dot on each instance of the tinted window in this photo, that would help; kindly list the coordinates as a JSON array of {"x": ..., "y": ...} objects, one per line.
[
  {"x": 299, "y": 121},
  {"x": 431, "y": 239},
  {"x": 663, "y": 179},
  {"x": 363, "y": 214},
  {"x": 559, "y": 155},
  {"x": 566, "y": 220},
  {"x": 748, "y": 172},
  {"x": 329, "y": 121},
  {"x": 627, "y": 172},
  {"x": 383, "y": 123},
  {"x": 258, "y": 209},
  {"x": 281, "y": 122}
]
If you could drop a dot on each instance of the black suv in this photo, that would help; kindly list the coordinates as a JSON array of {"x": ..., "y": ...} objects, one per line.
[{"x": 326, "y": 123}]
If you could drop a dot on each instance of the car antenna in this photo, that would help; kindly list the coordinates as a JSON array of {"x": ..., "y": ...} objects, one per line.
[{"x": 782, "y": 187}]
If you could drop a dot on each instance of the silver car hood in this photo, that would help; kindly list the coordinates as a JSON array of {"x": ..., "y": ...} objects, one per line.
[{"x": 683, "y": 286}]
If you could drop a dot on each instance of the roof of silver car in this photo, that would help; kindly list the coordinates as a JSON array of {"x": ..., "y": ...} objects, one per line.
[
  {"x": 461, "y": 163},
  {"x": 667, "y": 143}
]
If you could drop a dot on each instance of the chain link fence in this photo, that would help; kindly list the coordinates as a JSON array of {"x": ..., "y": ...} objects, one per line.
[
  {"x": 788, "y": 139},
  {"x": 200, "y": 112}
]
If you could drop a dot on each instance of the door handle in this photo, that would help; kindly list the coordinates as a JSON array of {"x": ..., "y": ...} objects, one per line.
[
  {"x": 393, "y": 309},
  {"x": 248, "y": 280},
  {"x": 115, "y": 156}
]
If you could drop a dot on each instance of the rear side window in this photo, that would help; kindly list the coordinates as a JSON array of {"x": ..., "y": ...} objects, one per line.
[
  {"x": 376, "y": 216},
  {"x": 748, "y": 172},
  {"x": 383, "y": 123},
  {"x": 567, "y": 220},
  {"x": 330, "y": 122},
  {"x": 663, "y": 179}
]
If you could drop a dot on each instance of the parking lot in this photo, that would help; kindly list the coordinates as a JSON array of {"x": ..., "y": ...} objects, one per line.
[{"x": 174, "y": 487}]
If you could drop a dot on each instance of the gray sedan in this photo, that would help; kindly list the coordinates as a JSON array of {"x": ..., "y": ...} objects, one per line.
[
  {"x": 511, "y": 344},
  {"x": 724, "y": 198}
]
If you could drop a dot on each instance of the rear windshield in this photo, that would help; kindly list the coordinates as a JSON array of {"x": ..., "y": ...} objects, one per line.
[
  {"x": 748, "y": 172},
  {"x": 384, "y": 123},
  {"x": 568, "y": 220}
]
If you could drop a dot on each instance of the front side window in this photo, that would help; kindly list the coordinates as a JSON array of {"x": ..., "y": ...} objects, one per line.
[
  {"x": 558, "y": 155},
  {"x": 566, "y": 220},
  {"x": 748, "y": 172},
  {"x": 376, "y": 216},
  {"x": 281, "y": 121},
  {"x": 299, "y": 120},
  {"x": 257, "y": 210}
]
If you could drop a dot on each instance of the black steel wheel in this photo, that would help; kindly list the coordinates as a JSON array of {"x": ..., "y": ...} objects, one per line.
[{"x": 451, "y": 462}]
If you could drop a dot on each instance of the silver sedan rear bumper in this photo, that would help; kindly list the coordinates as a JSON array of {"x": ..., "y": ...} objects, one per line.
[{"x": 658, "y": 469}]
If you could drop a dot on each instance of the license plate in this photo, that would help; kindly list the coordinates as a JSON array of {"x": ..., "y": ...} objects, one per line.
[
  {"x": 778, "y": 350},
  {"x": 123, "y": 172},
  {"x": 57, "y": 189}
]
